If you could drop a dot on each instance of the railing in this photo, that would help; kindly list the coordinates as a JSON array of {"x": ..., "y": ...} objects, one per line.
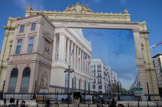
[{"x": 85, "y": 98}]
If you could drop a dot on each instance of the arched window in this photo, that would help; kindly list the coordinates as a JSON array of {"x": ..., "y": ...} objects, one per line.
[
  {"x": 74, "y": 82},
  {"x": 13, "y": 80},
  {"x": 66, "y": 81},
  {"x": 25, "y": 80},
  {"x": 85, "y": 85}
]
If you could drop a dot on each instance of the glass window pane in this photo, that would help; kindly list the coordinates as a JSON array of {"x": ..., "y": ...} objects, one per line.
[
  {"x": 18, "y": 48},
  {"x": 30, "y": 44},
  {"x": 31, "y": 40},
  {"x": 30, "y": 48},
  {"x": 66, "y": 81},
  {"x": 22, "y": 28},
  {"x": 25, "y": 80},
  {"x": 13, "y": 81},
  {"x": 33, "y": 26},
  {"x": 19, "y": 42}
]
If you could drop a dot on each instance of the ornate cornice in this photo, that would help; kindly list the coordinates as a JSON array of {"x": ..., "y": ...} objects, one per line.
[
  {"x": 78, "y": 8},
  {"x": 81, "y": 13}
]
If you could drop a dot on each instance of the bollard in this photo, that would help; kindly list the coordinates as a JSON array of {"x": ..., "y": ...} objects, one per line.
[
  {"x": 147, "y": 105},
  {"x": 128, "y": 104},
  {"x": 138, "y": 104},
  {"x": 78, "y": 105}
]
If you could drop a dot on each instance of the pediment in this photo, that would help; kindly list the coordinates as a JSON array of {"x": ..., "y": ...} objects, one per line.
[{"x": 78, "y": 9}]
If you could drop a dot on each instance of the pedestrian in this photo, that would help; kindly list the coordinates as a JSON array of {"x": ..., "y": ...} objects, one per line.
[
  {"x": 17, "y": 102},
  {"x": 47, "y": 103},
  {"x": 113, "y": 103},
  {"x": 23, "y": 104}
]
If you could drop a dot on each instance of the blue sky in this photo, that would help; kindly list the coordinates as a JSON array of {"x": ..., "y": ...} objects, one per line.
[{"x": 140, "y": 10}]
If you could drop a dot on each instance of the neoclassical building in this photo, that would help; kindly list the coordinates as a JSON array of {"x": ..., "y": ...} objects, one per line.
[
  {"x": 40, "y": 52},
  {"x": 76, "y": 16}
]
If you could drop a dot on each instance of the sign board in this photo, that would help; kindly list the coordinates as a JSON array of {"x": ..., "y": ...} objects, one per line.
[{"x": 138, "y": 89}]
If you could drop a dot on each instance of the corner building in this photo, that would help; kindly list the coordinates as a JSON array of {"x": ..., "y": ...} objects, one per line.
[
  {"x": 102, "y": 76},
  {"x": 157, "y": 61},
  {"x": 31, "y": 53},
  {"x": 41, "y": 52}
]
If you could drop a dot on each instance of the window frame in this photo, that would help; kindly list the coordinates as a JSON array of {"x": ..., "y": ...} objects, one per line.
[
  {"x": 13, "y": 77},
  {"x": 19, "y": 45},
  {"x": 33, "y": 26},
  {"x": 30, "y": 44},
  {"x": 22, "y": 28}
]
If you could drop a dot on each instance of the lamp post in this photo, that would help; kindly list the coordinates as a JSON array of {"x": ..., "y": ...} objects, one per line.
[
  {"x": 34, "y": 96},
  {"x": 69, "y": 70},
  {"x": 3, "y": 89},
  {"x": 149, "y": 98}
]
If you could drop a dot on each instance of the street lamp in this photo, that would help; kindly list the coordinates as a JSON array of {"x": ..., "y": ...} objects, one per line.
[
  {"x": 34, "y": 96},
  {"x": 3, "y": 89},
  {"x": 69, "y": 70},
  {"x": 149, "y": 98}
]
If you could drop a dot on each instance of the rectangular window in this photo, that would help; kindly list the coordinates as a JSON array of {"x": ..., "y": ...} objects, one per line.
[
  {"x": 18, "y": 47},
  {"x": 30, "y": 44},
  {"x": 93, "y": 86},
  {"x": 33, "y": 26},
  {"x": 22, "y": 28}
]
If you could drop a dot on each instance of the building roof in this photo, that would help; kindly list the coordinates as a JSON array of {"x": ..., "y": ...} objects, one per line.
[
  {"x": 39, "y": 14},
  {"x": 155, "y": 56}
]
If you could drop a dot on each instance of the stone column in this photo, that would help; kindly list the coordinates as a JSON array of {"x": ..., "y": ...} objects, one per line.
[
  {"x": 71, "y": 54},
  {"x": 2, "y": 59},
  {"x": 54, "y": 48},
  {"x": 75, "y": 57},
  {"x": 85, "y": 60},
  {"x": 68, "y": 47},
  {"x": 81, "y": 60},
  {"x": 150, "y": 71},
  {"x": 62, "y": 42},
  {"x": 139, "y": 60}
]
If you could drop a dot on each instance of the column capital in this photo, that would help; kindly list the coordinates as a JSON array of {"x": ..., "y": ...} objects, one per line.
[{"x": 61, "y": 33}]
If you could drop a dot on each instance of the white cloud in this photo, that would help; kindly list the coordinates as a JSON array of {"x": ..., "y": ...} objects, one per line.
[{"x": 36, "y": 4}]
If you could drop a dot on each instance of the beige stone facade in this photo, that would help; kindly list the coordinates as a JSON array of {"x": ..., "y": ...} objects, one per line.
[
  {"x": 38, "y": 60},
  {"x": 79, "y": 16}
]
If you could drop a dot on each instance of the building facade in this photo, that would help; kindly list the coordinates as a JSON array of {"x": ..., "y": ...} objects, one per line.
[
  {"x": 157, "y": 61},
  {"x": 103, "y": 76},
  {"x": 41, "y": 52},
  {"x": 79, "y": 16},
  {"x": 136, "y": 83}
]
